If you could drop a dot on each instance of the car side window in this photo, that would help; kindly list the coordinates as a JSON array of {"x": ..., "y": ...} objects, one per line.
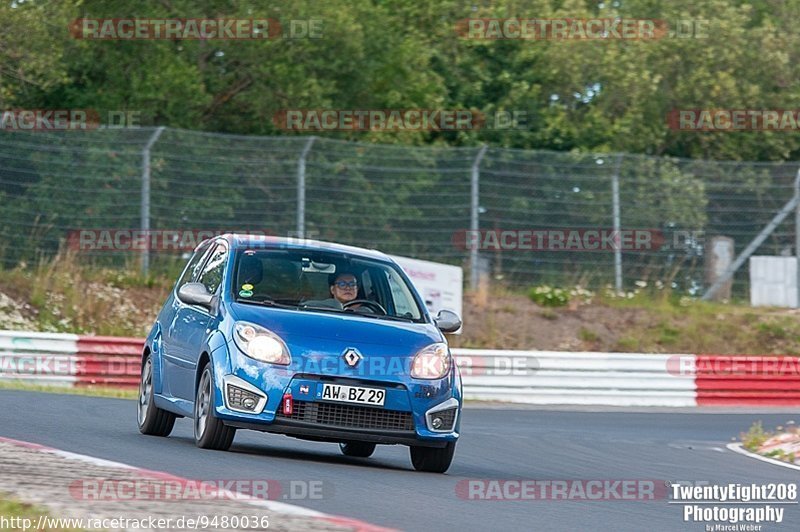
[
  {"x": 212, "y": 272},
  {"x": 402, "y": 298},
  {"x": 366, "y": 286},
  {"x": 195, "y": 263}
]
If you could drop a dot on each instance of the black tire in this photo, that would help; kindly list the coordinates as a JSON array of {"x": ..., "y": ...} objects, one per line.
[
  {"x": 152, "y": 420},
  {"x": 209, "y": 431},
  {"x": 433, "y": 459},
  {"x": 357, "y": 449}
]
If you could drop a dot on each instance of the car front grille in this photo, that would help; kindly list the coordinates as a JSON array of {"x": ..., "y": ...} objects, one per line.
[{"x": 349, "y": 416}]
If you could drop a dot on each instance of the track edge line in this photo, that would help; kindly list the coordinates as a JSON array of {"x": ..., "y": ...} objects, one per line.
[{"x": 739, "y": 448}]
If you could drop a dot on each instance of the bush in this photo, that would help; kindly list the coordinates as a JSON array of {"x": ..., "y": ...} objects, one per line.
[
  {"x": 547, "y": 296},
  {"x": 754, "y": 437}
]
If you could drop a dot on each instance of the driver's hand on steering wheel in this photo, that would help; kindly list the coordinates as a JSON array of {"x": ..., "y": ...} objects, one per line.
[{"x": 360, "y": 308}]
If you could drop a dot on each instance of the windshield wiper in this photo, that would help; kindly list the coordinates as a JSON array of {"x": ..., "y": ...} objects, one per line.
[
  {"x": 266, "y": 303},
  {"x": 386, "y": 317},
  {"x": 320, "y": 309}
]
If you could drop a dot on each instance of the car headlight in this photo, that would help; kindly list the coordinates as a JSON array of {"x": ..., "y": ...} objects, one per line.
[
  {"x": 432, "y": 362},
  {"x": 260, "y": 343}
]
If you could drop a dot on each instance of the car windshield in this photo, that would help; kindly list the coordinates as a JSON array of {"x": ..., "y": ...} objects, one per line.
[{"x": 324, "y": 282}]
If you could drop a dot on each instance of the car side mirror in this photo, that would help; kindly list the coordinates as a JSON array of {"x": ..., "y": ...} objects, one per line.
[
  {"x": 447, "y": 321},
  {"x": 195, "y": 294}
]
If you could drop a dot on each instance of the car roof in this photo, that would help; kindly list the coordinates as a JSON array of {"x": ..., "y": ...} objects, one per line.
[{"x": 239, "y": 241}]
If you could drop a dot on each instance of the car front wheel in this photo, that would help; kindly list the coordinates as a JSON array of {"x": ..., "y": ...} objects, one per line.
[
  {"x": 152, "y": 420},
  {"x": 209, "y": 431},
  {"x": 433, "y": 459}
]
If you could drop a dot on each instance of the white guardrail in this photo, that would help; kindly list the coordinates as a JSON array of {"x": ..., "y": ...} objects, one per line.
[
  {"x": 39, "y": 358},
  {"x": 564, "y": 378}
]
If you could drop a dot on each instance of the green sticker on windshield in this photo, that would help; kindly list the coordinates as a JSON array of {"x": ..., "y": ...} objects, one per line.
[{"x": 246, "y": 293}]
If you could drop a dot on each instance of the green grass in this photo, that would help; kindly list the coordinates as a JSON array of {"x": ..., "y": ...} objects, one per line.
[
  {"x": 549, "y": 315},
  {"x": 91, "y": 391},
  {"x": 16, "y": 511},
  {"x": 689, "y": 325},
  {"x": 755, "y": 437},
  {"x": 65, "y": 294},
  {"x": 587, "y": 336}
]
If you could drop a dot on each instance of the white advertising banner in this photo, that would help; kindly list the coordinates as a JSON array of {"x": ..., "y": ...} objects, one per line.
[
  {"x": 773, "y": 281},
  {"x": 440, "y": 285}
]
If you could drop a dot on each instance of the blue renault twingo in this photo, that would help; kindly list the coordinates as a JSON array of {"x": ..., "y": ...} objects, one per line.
[{"x": 309, "y": 339}]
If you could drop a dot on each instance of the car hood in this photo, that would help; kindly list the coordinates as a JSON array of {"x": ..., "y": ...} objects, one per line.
[{"x": 293, "y": 325}]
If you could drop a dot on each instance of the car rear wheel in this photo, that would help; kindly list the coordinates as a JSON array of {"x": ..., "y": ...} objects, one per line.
[
  {"x": 358, "y": 449},
  {"x": 209, "y": 431},
  {"x": 433, "y": 459},
  {"x": 152, "y": 420}
]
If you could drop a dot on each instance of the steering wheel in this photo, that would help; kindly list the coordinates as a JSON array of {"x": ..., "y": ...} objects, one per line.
[{"x": 373, "y": 305}]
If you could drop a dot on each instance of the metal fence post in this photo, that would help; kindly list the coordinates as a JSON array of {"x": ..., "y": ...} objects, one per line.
[
  {"x": 617, "y": 224},
  {"x": 301, "y": 188},
  {"x": 473, "y": 217},
  {"x": 145, "y": 206}
]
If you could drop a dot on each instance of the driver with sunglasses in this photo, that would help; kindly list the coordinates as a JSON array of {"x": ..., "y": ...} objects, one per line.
[
  {"x": 344, "y": 291},
  {"x": 344, "y": 288}
]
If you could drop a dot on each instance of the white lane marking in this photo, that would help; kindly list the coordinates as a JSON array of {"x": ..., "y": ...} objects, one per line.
[
  {"x": 738, "y": 448},
  {"x": 88, "y": 459},
  {"x": 694, "y": 446}
]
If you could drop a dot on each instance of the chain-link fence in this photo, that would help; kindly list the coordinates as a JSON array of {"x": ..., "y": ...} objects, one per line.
[{"x": 422, "y": 202}]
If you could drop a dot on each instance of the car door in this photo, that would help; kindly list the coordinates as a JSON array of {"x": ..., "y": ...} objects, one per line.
[
  {"x": 165, "y": 364},
  {"x": 189, "y": 326}
]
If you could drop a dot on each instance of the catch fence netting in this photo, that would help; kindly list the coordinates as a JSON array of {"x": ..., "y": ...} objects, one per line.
[{"x": 406, "y": 200}]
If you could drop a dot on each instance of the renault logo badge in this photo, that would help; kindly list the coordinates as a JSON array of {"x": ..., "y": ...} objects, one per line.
[{"x": 352, "y": 357}]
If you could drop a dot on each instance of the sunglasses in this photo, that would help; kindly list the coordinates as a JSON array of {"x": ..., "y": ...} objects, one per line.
[{"x": 346, "y": 284}]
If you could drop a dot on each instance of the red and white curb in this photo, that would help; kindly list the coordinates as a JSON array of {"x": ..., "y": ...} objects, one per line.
[{"x": 271, "y": 506}]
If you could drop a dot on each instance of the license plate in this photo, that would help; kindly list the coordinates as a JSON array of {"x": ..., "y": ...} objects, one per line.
[{"x": 353, "y": 394}]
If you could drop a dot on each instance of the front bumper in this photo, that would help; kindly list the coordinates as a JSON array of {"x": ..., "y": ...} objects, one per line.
[
  {"x": 404, "y": 419},
  {"x": 311, "y": 431}
]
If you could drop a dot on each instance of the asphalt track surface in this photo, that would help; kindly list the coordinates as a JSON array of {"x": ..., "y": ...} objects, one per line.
[{"x": 496, "y": 443}]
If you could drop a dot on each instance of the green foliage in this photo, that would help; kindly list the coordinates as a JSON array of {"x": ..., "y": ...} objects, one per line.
[
  {"x": 754, "y": 437},
  {"x": 578, "y": 95},
  {"x": 548, "y": 296}
]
